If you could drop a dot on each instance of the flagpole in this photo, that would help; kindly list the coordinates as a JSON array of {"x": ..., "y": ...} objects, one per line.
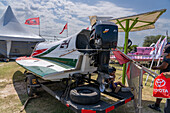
[
  {"x": 39, "y": 26},
  {"x": 154, "y": 53},
  {"x": 67, "y": 29},
  {"x": 150, "y": 68},
  {"x": 159, "y": 53},
  {"x": 155, "y": 71}
]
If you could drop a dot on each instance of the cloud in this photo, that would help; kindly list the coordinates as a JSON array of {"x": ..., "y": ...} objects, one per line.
[{"x": 54, "y": 14}]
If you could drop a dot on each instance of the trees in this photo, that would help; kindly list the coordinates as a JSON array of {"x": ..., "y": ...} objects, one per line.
[{"x": 148, "y": 40}]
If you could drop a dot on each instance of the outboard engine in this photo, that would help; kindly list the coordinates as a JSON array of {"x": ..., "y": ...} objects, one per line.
[{"x": 104, "y": 35}]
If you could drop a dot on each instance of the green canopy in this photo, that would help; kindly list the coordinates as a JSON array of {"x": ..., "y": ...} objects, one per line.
[{"x": 131, "y": 23}]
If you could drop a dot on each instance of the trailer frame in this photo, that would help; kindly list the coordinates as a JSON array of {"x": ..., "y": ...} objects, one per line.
[{"x": 99, "y": 107}]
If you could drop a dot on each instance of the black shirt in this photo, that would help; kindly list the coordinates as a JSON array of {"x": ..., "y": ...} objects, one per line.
[{"x": 167, "y": 60}]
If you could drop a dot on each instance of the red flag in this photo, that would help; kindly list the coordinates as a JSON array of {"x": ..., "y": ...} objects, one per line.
[
  {"x": 161, "y": 87},
  {"x": 65, "y": 27},
  {"x": 133, "y": 71},
  {"x": 128, "y": 71},
  {"x": 32, "y": 21},
  {"x": 87, "y": 28},
  {"x": 120, "y": 57}
]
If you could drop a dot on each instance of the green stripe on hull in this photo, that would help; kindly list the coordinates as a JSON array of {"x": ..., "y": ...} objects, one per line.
[
  {"x": 48, "y": 51},
  {"x": 41, "y": 71},
  {"x": 63, "y": 62}
]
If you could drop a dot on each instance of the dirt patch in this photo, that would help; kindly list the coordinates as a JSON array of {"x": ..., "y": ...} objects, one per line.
[
  {"x": 1, "y": 65},
  {"x": 10, "y": 90},
  {"x": 3, "y": 80}
]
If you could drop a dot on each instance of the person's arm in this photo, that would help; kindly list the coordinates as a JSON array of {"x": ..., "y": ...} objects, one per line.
[
  {"x": 166, "y": 74},
  {"x": 164, "y": 65}
]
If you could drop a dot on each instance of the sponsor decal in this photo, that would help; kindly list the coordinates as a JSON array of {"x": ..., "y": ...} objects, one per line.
[
  {"x": 114, "y": 30},
  {"x": 106, "y": 30},
  {"x": 161, "y": 90},
  {"x": 160, "y": 82},
  {"x": 65, "y": 44},
  {"x": 33, "y": 21},
  {"x": 161, "y": 86}
]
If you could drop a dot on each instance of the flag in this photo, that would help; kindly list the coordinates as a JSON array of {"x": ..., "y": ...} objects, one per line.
[
  {"x": 133, "y": 71},
  {"x": 160, "y": 51},
  {"x": 128, "y": 71},
  {"x": 155, "y": 48},
  {"x": 120, "y": 57},
  {"x": 87, "y": 28},
  {"x": 65, "y": 27},
  {"x": 161, "y": 87},
  {"x": 33, "y": 21}
]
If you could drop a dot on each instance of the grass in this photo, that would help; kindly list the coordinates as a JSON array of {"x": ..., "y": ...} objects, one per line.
[
  {"x": 13, "y": 94},
  {"x": 8, "y": 69}
]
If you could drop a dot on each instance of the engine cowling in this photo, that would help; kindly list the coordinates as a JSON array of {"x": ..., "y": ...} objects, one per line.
[{"x": 104, "y": 35}]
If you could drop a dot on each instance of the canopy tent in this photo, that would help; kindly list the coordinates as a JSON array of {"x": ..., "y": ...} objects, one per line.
[
  {"x": 136, "y": 22},
  {"x": 131, "y": 23},
  {"x": 14, "y": 39}
]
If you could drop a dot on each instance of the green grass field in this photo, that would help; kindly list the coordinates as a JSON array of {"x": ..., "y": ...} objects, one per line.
[{"x": 13, "y": 94}]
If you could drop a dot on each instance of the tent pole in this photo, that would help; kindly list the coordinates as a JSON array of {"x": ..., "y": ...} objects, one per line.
[
  {"x": 125, "y": 49},
  {"x": 8, "y": 47}
]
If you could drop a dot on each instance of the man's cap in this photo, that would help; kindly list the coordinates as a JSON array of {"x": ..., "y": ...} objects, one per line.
[{"x": 111, "y": 69}]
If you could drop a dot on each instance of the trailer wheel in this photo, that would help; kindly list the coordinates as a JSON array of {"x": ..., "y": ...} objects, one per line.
[
  {"x": 31, "y": 80},
  {"x": 85, "y": 95}
]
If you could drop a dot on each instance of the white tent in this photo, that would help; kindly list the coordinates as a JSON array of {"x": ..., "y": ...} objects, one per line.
[{"x": 14, "y": 39}]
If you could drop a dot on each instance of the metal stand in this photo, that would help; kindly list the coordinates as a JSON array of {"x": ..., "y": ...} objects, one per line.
[
  {"x": 150, "y": 68},
  {"x": 140, "y": 91}
]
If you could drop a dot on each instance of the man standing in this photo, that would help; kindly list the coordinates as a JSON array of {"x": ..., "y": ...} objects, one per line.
[
  {"x": 167, "y": 75},
  {"x": 167, "y": 104},
  {"x": 164, "y": 68}
]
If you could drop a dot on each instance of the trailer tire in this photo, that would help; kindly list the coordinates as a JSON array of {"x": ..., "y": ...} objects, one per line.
[
  {"x": 85, "y": 95},
  {"x": 29, "y": 89}
]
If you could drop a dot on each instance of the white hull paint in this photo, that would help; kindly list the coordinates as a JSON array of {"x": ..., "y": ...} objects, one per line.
[{"x": 58, "y": 60}]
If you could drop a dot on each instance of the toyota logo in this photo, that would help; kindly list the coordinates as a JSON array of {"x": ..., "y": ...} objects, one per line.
[{"x": 160, "y": 83}]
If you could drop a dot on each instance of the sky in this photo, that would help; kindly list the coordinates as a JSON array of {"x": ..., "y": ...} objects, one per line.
[{"x": 55, "y": 13}]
